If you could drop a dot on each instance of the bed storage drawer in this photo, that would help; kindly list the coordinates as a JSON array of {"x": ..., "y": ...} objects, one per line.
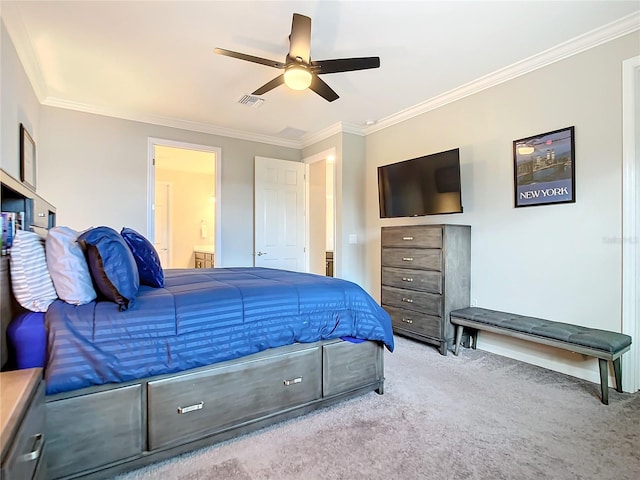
[
  {"x": 194, "y": 405},
  {"x": 348, "y": 366},
  {"x": 83, "y": 435}
]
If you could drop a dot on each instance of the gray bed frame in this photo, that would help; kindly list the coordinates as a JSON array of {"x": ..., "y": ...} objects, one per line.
[{"x": 101, "y": 431}]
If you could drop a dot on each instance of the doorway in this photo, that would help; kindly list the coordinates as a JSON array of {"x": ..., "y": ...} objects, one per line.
[
  {"x": 184, "y": 203},
  {"x": 321, "y": 208}
]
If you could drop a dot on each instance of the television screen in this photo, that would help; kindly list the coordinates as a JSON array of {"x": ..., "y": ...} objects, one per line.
[{"x": 427, "y": 185}]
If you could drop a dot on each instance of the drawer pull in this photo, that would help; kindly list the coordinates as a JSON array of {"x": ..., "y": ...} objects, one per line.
[
  {"x": 293, "y": 381},
  {"x": 37, "y": 449},
  {"x": 407, "y": 320},
  {"x": 190, "y": 408},
  {"x": 407, "y": 300},
  {"x": 407, "y": 238},
  {"x": 407, "y": 259},
  {"x": 407, "y": 279}
]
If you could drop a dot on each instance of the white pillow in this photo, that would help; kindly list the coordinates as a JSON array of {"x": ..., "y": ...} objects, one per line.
[
  {"x": 32, "y": 285},
  {"x": 68, "y": 267}
]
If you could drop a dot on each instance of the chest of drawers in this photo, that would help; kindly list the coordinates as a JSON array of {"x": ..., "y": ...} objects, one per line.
[
  {"x": 426, "y": 273},
  {"x": 22, "y": 421}
]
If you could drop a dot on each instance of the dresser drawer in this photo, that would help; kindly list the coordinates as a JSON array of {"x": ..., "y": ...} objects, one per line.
[
  {"x": 428, "y": 258},
  {"x": 420, "y": 236},
  {"x": 402, "y": 319},
  {"x": 77, "y": 430},
  {"x": 411, "y": 300},
  {"x": 191, "y": 406},
  {"x": 27, "y": 451},
  {"x": 339, "y": 375},
  {"x": 422, "y": 280}
]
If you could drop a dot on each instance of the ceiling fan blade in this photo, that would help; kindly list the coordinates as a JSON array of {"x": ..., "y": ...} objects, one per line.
[
  {"x": 300, "y": 38},
  {"x": 276, "y": 82},
  {"x": 344, "y": 65},
  {"x": 249, "y": 58},
  {"x": 322, "y": 89}
]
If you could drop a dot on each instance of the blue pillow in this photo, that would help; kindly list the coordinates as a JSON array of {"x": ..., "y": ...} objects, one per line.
[
  {"x": 28, "y": 337},
  {"x": 146, "y": 258},
  {"x": 112, "y": 265}
]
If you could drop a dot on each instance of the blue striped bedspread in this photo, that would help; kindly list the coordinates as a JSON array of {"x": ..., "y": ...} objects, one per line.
[{"x": 201, "y": 317}]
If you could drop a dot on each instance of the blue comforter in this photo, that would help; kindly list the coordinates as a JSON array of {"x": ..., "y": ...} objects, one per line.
[{"x": 203, "y": 316}]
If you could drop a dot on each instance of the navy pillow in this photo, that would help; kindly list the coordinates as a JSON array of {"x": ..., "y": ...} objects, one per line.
[
  {"x": 146, "y": 258},
  {"x": 111, "y": 264}
]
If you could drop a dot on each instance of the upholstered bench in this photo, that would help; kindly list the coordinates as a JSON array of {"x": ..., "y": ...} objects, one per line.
[{"x": 602, "y": 344}]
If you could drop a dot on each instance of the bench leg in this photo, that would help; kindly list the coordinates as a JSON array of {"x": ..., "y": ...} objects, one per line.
[
  {"x": 604, "y": 380},
  {"x": 459, "y": 330},
  {"x": 617, "y": 371}
]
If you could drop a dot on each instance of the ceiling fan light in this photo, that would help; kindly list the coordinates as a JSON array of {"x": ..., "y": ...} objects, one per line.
[{"x": 297, "y": 78}]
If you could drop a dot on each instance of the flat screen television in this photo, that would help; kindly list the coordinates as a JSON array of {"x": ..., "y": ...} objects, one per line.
[{"x": 428, "y": 185}]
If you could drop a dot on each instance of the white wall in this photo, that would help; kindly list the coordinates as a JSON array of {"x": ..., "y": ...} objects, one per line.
[{"x": 561, "y": 262}]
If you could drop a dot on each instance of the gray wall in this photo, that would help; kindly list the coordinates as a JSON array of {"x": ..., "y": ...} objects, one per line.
[
  {"x": 560, "y": 262},
  {"x": 104, "y": 161},
  {"x": 19, "y": 105}
]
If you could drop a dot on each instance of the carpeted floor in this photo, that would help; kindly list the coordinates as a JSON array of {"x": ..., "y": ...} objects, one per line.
[{"x": 476, "y": 416}]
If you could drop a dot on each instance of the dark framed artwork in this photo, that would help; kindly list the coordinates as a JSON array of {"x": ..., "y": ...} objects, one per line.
[
  {"x": 544, "y": 168},
  {"x": 27, "y": 158}
]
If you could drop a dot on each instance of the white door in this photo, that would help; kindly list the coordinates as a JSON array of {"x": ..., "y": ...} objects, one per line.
[
  {"x": 279, "y": 214},
  {"x": 162, "y": 225}
]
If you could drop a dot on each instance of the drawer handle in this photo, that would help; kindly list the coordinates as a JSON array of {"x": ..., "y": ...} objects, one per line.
[
  {"x": 190, "y": 408},
  {"x": 293, "y": 381},
  {"x": 407, "y": 320},
  {"x": 407, "y": 238},
  {"x": 407, "y": 259},
  {"x": 407, "y": 300},
  {"x": 37, "y": 449},
  {"x": 407, "y": 279}
]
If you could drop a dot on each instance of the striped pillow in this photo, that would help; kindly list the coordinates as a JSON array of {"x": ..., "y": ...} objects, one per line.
[{"x": 32, "y": 285}]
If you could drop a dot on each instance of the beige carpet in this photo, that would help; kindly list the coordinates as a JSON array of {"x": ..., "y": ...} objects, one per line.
[{"x": 477, "y": 416}]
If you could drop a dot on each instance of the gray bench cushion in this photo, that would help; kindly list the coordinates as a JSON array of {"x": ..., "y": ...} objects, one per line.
[{"x": 604, "y": 340}]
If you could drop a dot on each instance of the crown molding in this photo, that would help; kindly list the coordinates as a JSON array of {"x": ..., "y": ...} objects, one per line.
[
  {"x": 339, "y": 127},
  {"x": 604, "y": 34},
  {"x": 172, "y": 122}
]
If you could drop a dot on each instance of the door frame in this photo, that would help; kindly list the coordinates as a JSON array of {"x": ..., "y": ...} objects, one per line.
[
  {"x": 331, "y": 152},
  {"x": 631, "y": 221},
  {"x": 152, "y": 142},
  {"x": 169, "y": 186}
]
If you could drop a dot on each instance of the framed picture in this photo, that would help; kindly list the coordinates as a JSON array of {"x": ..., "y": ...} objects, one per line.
[
  {"x": 27, "y": 159},
  {"x": 544, "y": 168}
]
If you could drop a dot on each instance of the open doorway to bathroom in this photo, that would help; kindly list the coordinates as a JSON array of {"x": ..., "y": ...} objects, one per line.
[
  {"x": 185, "y": 204},
  {"x": 321, "y": 218}
]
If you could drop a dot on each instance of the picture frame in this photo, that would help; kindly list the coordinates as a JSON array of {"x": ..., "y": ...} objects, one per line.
[
  {"x": 544, "y": 168},
  {"x": 27, "y": 158}
]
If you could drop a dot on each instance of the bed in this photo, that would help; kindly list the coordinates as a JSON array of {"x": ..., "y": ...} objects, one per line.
[{"x": 211, "y": 354}]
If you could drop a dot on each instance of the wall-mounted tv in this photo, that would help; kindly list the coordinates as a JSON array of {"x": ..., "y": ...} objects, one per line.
[{"x": 428, "y": 185}]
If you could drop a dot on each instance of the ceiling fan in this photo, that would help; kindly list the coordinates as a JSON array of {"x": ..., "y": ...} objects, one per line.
[{"x": 300, "y": 72}]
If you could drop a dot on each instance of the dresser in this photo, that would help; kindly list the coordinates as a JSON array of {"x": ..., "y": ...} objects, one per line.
[
  {"x": 204, "y": 257},
  {"x": 426, "y": 273},
  {"x": 22, "y": 425}
]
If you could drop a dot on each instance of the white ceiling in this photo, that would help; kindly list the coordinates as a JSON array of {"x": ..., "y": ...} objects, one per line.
[{"x": 153, "y": 60}]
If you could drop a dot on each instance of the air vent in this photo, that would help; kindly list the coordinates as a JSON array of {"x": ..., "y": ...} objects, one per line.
[
  {"x": 251, "y": 100},
  {"x": 292, "y": 133}
]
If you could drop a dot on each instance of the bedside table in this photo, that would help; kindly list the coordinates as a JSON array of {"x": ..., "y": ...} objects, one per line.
[{"x": 22, "y": 424}]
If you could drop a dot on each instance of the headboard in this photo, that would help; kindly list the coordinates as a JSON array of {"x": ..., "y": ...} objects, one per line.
[{"x": 39, "y": 216}]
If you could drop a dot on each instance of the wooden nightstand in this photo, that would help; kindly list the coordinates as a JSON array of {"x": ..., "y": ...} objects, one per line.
[{"x": 22, "y": 425}]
